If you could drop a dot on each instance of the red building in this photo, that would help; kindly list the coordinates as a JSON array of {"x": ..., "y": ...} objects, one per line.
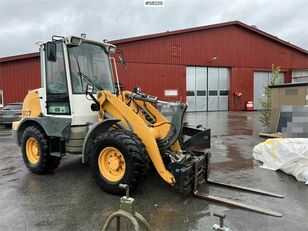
[
  {"x": 18, "y": 75},
  {"x": 215, "y": 67}
]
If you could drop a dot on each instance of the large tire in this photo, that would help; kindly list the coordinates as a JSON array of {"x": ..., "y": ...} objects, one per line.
[
  {"x": 35, "y": 151},
  {"x": 118, "y": 157}
]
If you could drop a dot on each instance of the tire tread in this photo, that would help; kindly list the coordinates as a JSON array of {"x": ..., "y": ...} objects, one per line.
[
  {"x": 47, "y": 163},
  {"x": 137, "y": 152}
]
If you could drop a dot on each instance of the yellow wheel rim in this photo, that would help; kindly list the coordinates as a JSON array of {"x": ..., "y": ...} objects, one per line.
[
  {"x": 32, "y": 150},
  {"x": 111, "y": 164}
]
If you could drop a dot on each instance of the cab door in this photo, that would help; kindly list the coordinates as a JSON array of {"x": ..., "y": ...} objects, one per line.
[{"x": 57, "y": 94}]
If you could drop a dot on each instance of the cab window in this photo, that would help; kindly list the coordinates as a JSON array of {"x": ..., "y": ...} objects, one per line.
[
  {"x": 91, "y": 60},
  {"x": 56, "y": 84}
]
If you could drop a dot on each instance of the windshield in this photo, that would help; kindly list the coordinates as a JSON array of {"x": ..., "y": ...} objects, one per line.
[{"x": 93, "y": 61}]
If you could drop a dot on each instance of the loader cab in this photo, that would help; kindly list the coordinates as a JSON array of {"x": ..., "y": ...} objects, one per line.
[{"x": 68, "y": 65}]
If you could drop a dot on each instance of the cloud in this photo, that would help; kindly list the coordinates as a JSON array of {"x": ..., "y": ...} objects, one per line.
[{"x": 22, "y": 23}]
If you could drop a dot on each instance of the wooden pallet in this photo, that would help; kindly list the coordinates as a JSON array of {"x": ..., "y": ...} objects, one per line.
[{"x": 270, "y": 135}]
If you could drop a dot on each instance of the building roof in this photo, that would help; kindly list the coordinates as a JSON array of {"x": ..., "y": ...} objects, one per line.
[
  {"x": 176, "y": 32},
  {"x": 213, "y": 26},
  {"x": 299, "y": 84},
  {"x": 18, "y": 57}
]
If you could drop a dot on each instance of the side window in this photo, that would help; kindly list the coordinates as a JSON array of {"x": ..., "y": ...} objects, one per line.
[{"x": 56, "y": 84}]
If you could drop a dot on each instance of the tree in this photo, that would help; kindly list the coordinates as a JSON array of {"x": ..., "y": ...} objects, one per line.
[{"x": 265, "y": 112}]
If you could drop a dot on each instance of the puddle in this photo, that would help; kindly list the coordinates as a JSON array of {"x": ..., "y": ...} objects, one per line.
[
  {"x": 230, "y": 156},
  {"x": 218, "y": 143},
  {"x": 11, "y": 170},
  {"x": 9, "y": 157}
]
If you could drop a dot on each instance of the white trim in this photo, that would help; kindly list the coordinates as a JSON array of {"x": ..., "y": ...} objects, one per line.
[
  {"x": 116, "y": 73},
  {"x": 42, "y": 90},
  {"x": 1, "y": 99},
  {"x": 171, "y": 92}
]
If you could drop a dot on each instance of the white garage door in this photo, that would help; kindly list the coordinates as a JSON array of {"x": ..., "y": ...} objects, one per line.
[
  {"x": 261, "y": 80},
  {"x": 207, "y": 88}
]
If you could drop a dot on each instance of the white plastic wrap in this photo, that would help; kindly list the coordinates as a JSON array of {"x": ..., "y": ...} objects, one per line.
[{"x": 289, "y": 155}]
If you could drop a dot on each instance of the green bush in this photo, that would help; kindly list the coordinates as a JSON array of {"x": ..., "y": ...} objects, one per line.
[{"x": 265, "y": 112}]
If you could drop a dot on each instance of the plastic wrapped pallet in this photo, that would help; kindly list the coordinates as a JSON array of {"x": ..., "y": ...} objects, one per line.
[{"x": 289, "y": 155}]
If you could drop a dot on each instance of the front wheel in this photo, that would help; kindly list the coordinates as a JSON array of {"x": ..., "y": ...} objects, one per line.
[
  {"x": 35, "y": 151},
  {"x": 119, "y": 157}
]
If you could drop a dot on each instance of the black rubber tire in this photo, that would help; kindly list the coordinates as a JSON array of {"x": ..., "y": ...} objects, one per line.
[
  {"x": 46, "y": 163},
  {"x": 135, "y": 156}
]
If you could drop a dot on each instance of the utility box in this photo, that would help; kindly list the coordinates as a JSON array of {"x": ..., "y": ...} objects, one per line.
[{"x": 291, "y": 94}]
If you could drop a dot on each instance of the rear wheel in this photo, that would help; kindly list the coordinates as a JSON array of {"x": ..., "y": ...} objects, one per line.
[
  {"x": 35, "y": 151},
  {"x": 119, "y": 157}
]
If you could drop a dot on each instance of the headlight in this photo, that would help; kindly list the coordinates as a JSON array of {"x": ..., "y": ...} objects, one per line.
[{"x": 75, "y": 40}]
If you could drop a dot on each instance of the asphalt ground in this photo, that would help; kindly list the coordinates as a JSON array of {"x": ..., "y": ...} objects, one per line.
[{"x": 69, "y": 198}]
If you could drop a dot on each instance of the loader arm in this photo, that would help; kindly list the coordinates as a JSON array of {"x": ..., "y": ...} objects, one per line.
[
  {"x": 164, "y": 131},
  {"x": 113, "y": 106}
]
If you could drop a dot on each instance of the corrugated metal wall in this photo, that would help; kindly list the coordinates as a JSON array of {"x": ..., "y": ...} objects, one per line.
[
  {"x": 18, "y": 77},
  {"x": 235, "y": 47},
  {"x": 154, "y": 78},
  {"x": 160, "y": 63},
  {"x": 232, "y": 45}
]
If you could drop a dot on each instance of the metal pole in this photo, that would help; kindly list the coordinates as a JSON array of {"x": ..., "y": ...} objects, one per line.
[
  {"x": 207, "y": 88},
  {"x": 118, "y": 223}
]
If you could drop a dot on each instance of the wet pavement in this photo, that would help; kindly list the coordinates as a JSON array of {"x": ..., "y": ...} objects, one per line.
[{"x": 69, "y": 199}]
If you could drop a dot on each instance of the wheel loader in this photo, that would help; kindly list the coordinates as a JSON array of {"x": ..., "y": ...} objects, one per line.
[{"x": 81, "y": 109}]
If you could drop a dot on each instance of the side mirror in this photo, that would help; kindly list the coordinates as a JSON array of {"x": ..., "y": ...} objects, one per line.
[{"x": 51, "y": 51}]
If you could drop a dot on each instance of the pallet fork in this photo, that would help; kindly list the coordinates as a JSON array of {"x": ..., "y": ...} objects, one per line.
[{"x": 228, "y": 202}]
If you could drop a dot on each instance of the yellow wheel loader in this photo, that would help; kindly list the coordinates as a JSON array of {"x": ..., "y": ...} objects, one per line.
[{"x": 81, "y": 109}]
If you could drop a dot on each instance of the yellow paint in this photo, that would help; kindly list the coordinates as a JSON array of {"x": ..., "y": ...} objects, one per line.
[
  {"x": 32, "y": 150},
  {"x": 101, "y": 97},
  {"x": 273, "y": 144},
  {"x": 270, "y": 141},
  {"x": 132, "y": 105},
  {"x": 176, "y": 146},
  {"x": 111, "y": 164},
  {"x": 162, "y": 124},
  {"x": 118, "y": 109},
  {"x": 156, "y": 133},
  {"x": 31, "y": 106}
]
